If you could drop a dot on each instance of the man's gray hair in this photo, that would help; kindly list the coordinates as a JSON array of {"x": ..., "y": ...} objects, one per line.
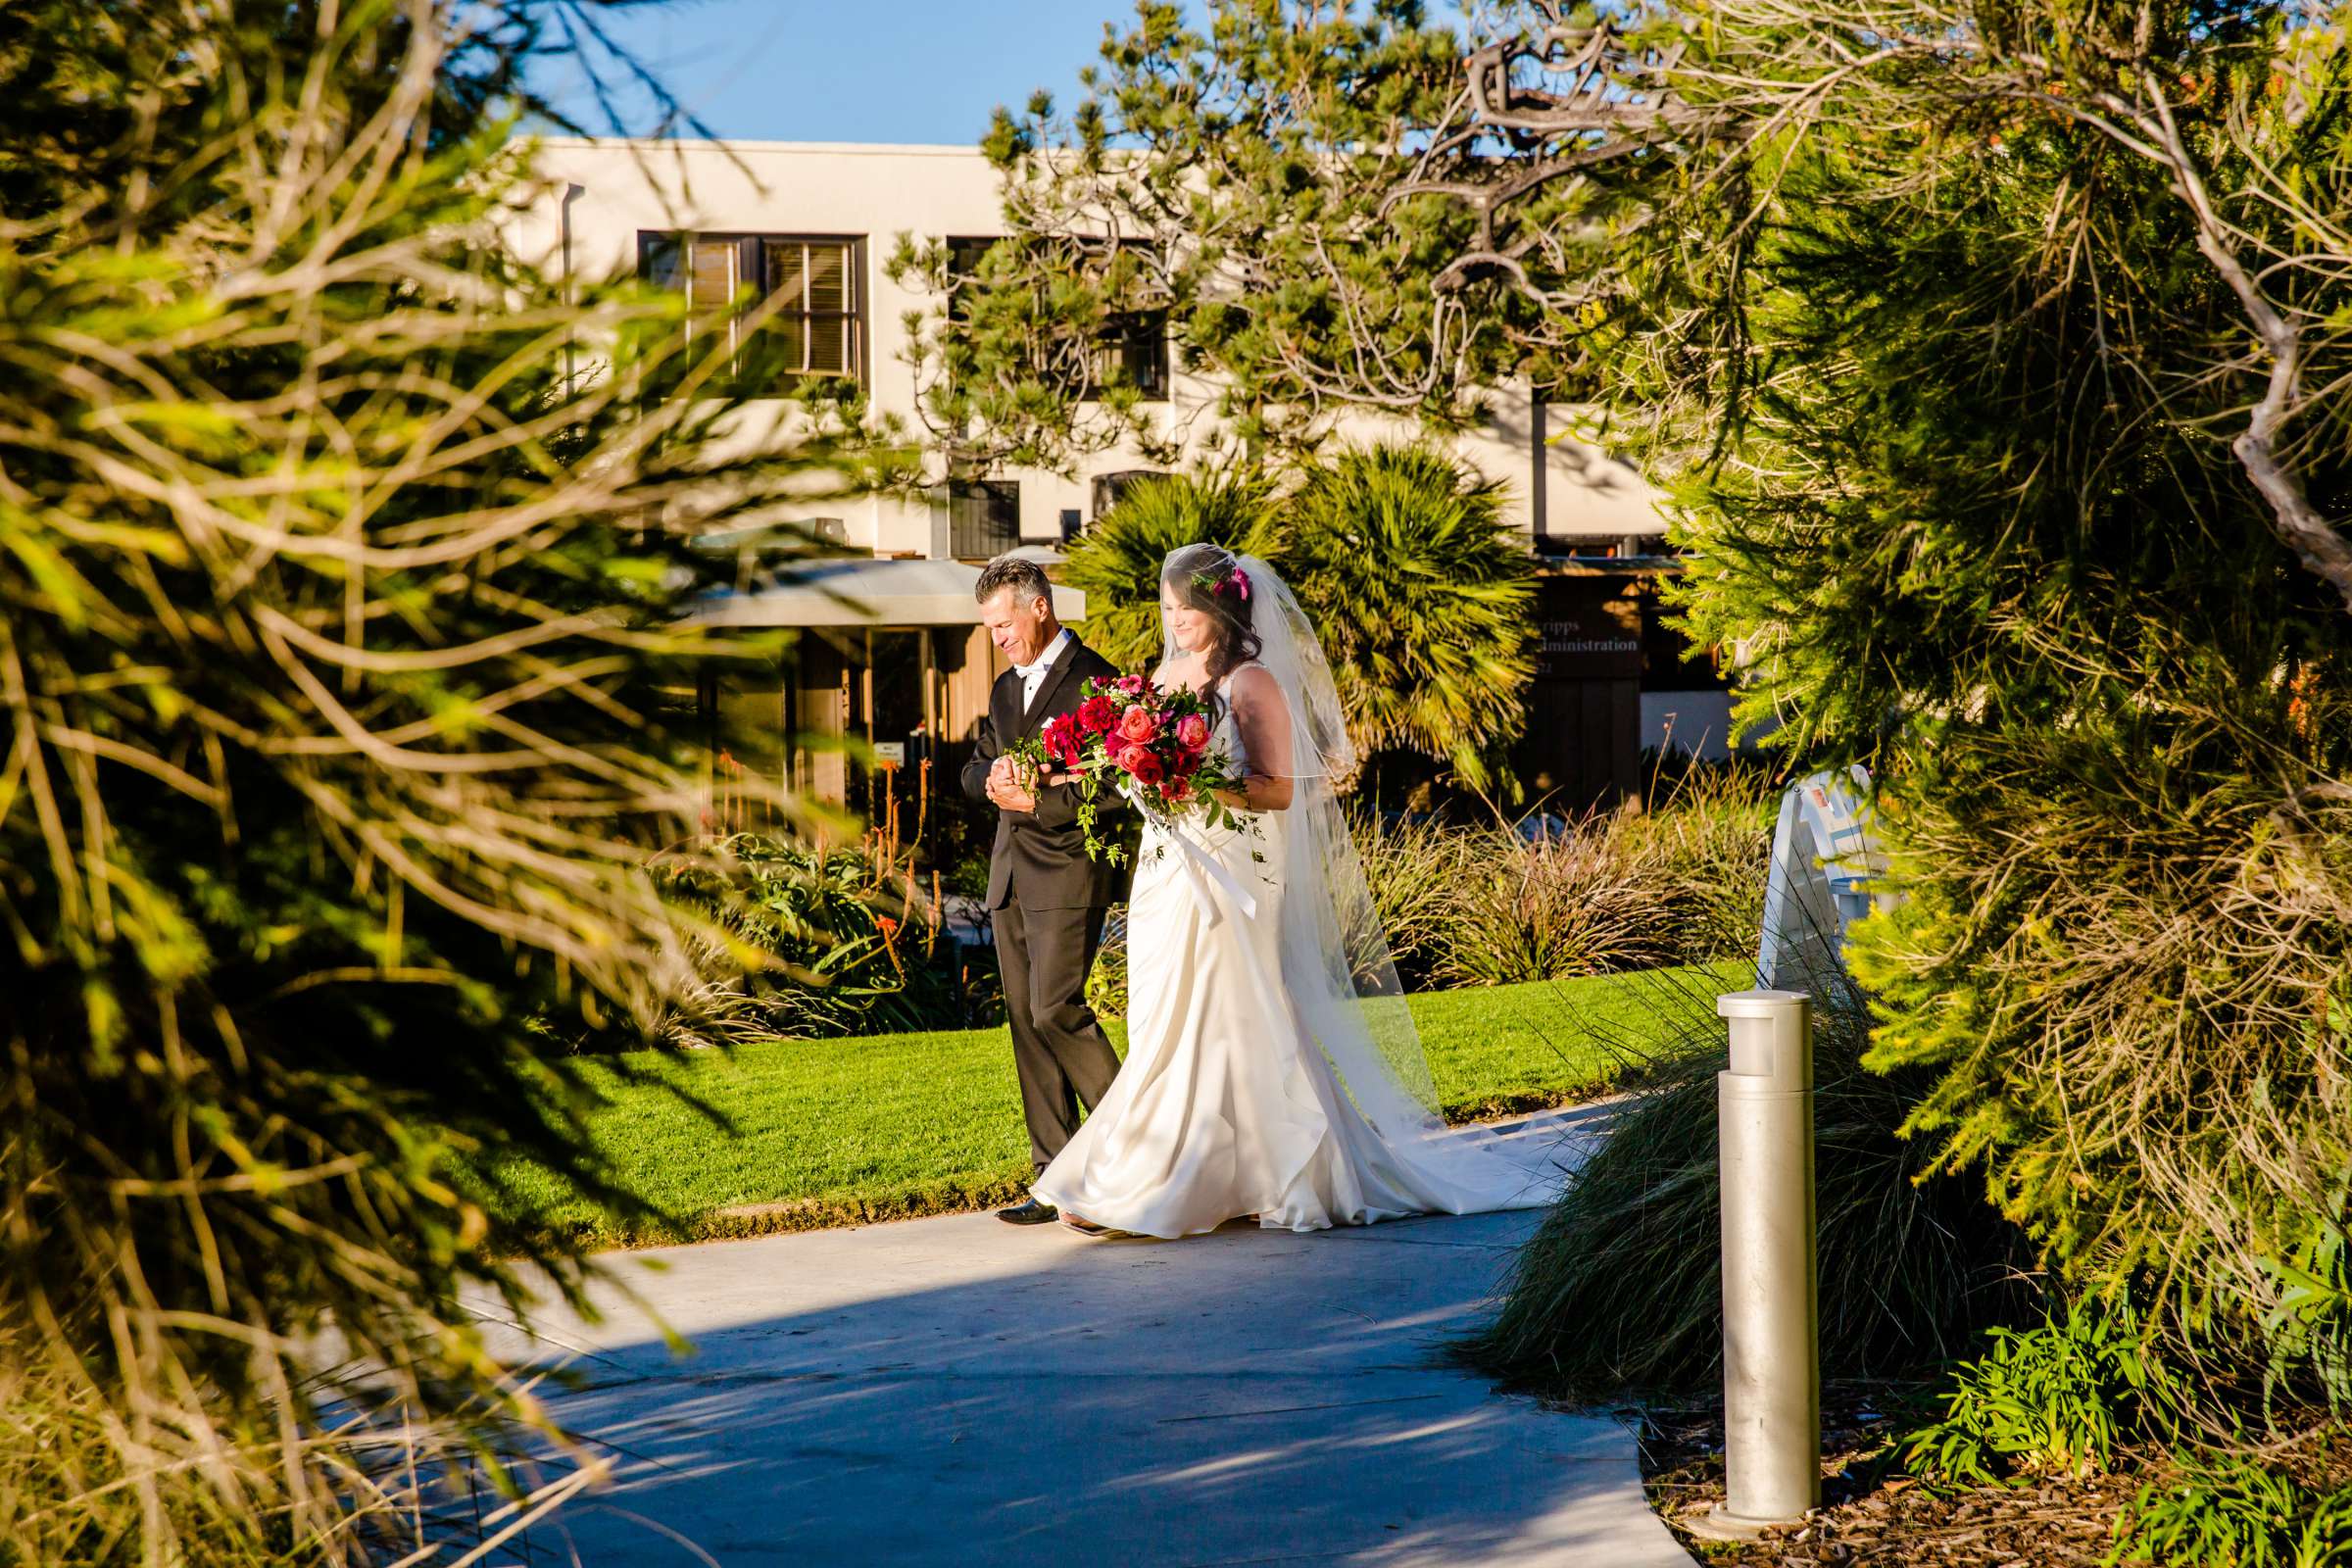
[{"x": 1026, "y": 580}]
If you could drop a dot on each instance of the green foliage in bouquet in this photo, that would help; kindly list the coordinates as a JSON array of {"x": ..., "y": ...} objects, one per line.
[{"x": 332, "y": 614}]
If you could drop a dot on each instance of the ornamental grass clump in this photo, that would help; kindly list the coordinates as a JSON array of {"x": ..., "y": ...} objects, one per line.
[
  {"x": 1619, "y": 1290},
  {"x": 1581, "y": 903}
]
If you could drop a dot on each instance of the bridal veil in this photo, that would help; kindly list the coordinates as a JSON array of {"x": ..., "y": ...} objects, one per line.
[{"x": 1335, "y": 953}]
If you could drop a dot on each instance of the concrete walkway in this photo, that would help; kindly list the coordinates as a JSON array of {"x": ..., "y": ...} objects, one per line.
[{"x": 960, "y": 1391}]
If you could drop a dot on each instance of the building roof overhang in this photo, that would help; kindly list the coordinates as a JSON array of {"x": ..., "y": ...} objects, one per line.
[{"x": 865, "y": 593}]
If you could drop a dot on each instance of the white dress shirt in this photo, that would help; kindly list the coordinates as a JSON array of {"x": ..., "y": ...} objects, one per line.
[{"x": 1034, "y": 675}]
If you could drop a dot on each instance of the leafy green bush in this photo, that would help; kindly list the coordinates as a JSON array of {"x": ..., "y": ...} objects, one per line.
[
  {"x": 2236, "y": 1513},
  {"x": 1588, "y": 902},
  {"x": 1484, "y": 904},
  {"x": 1620, "y": 1290},
  {"x": 1705, "y": 842},
  {"x": 2057, "y": 1398},
  {"x": 796, "y": 942},
  {"x": 2307, "y": 1333},
  {"x": 1415, "y": 870}
]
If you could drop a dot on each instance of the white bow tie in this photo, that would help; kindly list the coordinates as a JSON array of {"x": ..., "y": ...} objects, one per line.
[{"x": 1027, "y": 670}]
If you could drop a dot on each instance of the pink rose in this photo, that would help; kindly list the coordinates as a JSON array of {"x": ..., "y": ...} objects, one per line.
[
  {"x": 1128, "y": 757},
  {"x": 1138, "y": 725},
  {"x": 1191, "y": 732}
]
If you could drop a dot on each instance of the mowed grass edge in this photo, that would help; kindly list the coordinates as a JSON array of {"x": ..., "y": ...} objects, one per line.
[{"x": 803, "y": 1135}]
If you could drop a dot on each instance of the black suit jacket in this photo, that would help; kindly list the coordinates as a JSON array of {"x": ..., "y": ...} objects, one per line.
[{"x": 1040, "y": 855}]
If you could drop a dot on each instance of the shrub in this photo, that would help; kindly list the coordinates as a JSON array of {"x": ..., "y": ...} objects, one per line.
[
  {"x": 1118, "y": 561},
  {"x": 1489, "y": 906},
  {"x": 1705, "y": 842},
  {"x": 1415, "y": 871},
  {"x": 2236, "y": 1513},
  {"x": 2307, "y": 1333},
  {"x": 1588, "y": 902},
  {"x": 792, "y": 942},
  {"x": 331, "y": 631},
  {"x": 2057, "y": 1398},
  {"x": 1422, "y": 598},
  {"x": 1620, "y": 1290},
  {"x": 2134, "y": 985}
]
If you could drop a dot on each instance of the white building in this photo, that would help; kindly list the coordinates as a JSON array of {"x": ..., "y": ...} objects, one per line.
[
  {"x": 819, "y": 222},
  {"x": 827, "y": 217}
]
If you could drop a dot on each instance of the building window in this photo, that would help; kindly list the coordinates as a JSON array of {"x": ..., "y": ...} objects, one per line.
[
  {"x": 965, "y": 252},
  {"x": 816, "y": 330},
  {"x": 1110, "y": 488},
  {"x": 984, "y": 517},
  {"x": 1135, "y": 353}
]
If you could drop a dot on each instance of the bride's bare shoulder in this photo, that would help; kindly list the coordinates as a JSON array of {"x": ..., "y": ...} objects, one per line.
[{"x": 1254, "y": 682}]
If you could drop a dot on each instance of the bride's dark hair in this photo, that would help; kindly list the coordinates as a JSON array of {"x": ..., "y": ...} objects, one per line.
[{"x": 1207, "y": 578}]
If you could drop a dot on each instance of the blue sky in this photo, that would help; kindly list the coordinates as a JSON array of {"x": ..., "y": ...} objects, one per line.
[{"x": 869, "y": 70}]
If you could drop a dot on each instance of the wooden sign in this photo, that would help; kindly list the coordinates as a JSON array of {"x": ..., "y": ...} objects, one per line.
[{"x": 1591, "y": 630}]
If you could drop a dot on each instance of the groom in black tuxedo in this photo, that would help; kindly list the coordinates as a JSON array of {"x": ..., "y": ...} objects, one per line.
[{"x": 1045, "y": 898}]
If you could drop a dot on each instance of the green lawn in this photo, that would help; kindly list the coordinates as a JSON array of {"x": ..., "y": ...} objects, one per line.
[{"x": 799, "y": 1134}]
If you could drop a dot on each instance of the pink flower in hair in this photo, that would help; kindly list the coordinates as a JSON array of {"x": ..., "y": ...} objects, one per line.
[{"x": 1241, "y": 582}]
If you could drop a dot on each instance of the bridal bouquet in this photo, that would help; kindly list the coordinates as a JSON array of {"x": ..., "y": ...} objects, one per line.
[{"x": 1150, "y": 743}]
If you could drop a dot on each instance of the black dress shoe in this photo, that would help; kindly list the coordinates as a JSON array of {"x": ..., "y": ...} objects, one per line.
[{"x": 1031, "y": 1213}]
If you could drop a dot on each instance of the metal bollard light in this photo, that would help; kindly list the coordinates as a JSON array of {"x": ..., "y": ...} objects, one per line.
[{"x": 1771, "y": 1338}]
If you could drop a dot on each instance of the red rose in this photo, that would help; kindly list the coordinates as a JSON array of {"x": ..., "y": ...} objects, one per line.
[
  {"x": 1178, "y": 789},
  {"x": 1184, "y": 764},
  {"x": 1146, "y": 766},
  {"x": 1137, "y": 724},
  {"x": 1191, "y": 732},
  {"x": 1097, "y": 714}
]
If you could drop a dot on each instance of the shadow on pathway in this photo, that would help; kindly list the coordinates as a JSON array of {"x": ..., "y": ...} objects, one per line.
[{"x": 960, "y": 1391}]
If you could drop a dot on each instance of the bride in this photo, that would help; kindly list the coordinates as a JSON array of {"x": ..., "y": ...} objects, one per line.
[{"x": 1272, "y": 1068}]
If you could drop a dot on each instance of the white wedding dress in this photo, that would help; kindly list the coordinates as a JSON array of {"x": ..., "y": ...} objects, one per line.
[{"x": 1230, "y": 1102}]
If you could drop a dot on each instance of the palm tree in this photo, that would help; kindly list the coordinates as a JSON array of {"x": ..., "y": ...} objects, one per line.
[
  {"x": 1118, "y": 561},
  {"x": 1422, "y": 598}
]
